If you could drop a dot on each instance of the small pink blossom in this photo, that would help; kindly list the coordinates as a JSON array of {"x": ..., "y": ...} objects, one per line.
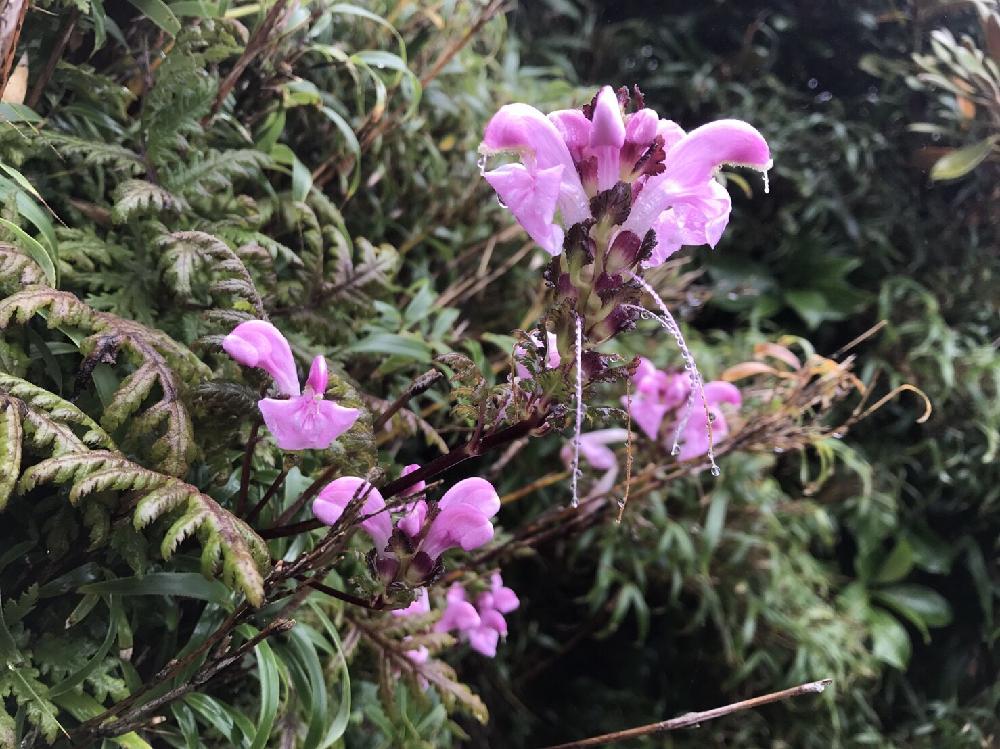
[
  {"x": 552, "y": 358},
  {"x": 458, "y": 614},
  {"x": 305, "y": 420},
  {"x": 656, "y": 393},
  {"x": 463, "y": 518}
]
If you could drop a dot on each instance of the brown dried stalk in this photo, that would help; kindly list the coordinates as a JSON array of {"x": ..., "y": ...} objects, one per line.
[{"x": 689, "y": 720}]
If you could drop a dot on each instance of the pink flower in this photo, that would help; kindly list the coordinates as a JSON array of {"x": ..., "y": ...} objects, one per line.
[
  {"x": 571, "y": 155},
  {"x": 415, "y": 513},
  {"x": 594, "y": 449},
  {"x": 657, "y": 393},
  {"x": 463, "y": 518},
  {"x": 458, "y": 614},
  {"x": 552, "y": 358},
  {"x": 694, "y": 439},
  {"x": 333, "y": 499},
  {"x": 305, "y": 420},
  {"x": 421, "y": 605}
]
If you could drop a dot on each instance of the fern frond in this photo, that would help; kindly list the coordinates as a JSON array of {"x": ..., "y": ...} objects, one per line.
[
  {"x": 188, "y": 250},
  {"x": 94, "y": 153},
  {"x": 137, "y": 195},
  {"x": 56, "y": 409},
  {"x": 230, "y": 548},
  {"x": 158, "y": 355},
  {"x": 10, "y": 449},
  {"x": 18, "y": 267},
  {"x": 349, "y": 276},
  {"x": 214, "y": 171}
]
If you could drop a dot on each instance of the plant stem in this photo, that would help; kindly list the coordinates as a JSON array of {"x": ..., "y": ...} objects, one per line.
[
  {"x": 471, "y": 449},
  {"x": 241, "y": 501},
  {"x": 694, "y": 719}
]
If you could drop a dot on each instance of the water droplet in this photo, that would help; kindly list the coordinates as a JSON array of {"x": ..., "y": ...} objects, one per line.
[
  {"x": 716, "y": 471},
  {"x": 646, "y": 50},
  {"x": 675, "y": 450},
  {"x": 767, "y": 182},
  {"x": 812, "y": 83},
  {"x": 837, "y": 435},
  {"x": 779, "y": 450},
  {"x": 823, "y": 97}
]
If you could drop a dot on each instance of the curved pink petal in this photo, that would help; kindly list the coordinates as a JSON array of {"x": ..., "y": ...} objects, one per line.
[
  {"x": 694, "y": 158},
  {"x": 719, "y": 391},
  {"x": 257, "y": 343},
  {"x": 648, "y": 415},
  {"x": 573, "y": 126},
  {"x": 690, "y": 164},
  {"x": 493, "y": 619},
  {"x": 525, "y": 130},
  {"x": 693, "y": 220},
  {"x": 318, "y": 376},
  {"x": 330, "y": 503},
  {"x": 484, "y": 640},
  {"x": 694, "y": 439},
  {"x": 458, "y": 615},
  {"x": 608, "y": 126},
  {"x": 305, "y": 422},
  {"x": 645, "y": 369},
  {"x": 413, "y": 521},
  {"x": 417, "y": 487},
  {"x": 420, "y": 655},
  {"x": 505, "y": 600},
  {"x": 421, "y": 605},
  {"x": 475, "y": 492},
  {"x": 640, "y": 127},
  {"x": 594, "y": 447},
  {"x": 670, "y": 131},
  {"x": 531, "y": 196},
  {"x": 460, "y": 525}
]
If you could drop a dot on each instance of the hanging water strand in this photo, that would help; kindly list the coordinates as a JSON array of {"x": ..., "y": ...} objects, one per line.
[
  {"x": 694, "y": 376},
  {"x": 578, "y": 350}
]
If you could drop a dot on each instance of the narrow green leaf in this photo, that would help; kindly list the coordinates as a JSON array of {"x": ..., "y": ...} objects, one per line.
[
  {"x": 270, "y": 687},
  {"x": 35, "y": 250},
  {"x": 961, "y": 161},
  {"x": 391, "y": 344},
  {"x": 183, "y": 584},
  {"x": 77, "y": 677},
  {"x": 159, "y": 13}
]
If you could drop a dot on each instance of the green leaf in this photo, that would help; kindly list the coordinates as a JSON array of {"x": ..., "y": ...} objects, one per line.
[
  {"x": 961, "y": 161},
  {"x": 183, "y": 584},
  {"x": 83, "y": 707},
  {"x": 890, "y": 641},
  {"x": 922, "y": 606},
  {"x": 35, "y": 249},
  {"x": 306, "y": 672},
  {"x": 77, "y": 677},
  {"x": 897, "y": 565},
  {"x": 339, "y": 725},
  {"x": 270, "y": 687},
  {"x": 391, "y": 344},
  {"x": 159, "y": 13}
]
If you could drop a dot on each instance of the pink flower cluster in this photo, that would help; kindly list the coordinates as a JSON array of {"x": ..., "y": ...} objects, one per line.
[
  {"x": 305, "y": 419},
  {"x": 461, "y": 519},
  {"x": 572, "y": 155},
  {"x": 660, "y": 393},
  {"x": 482, "y": 625}
]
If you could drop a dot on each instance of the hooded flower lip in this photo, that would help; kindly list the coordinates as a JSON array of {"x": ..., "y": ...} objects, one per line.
[
  {"x": 305, "y": 420},
  {"x": 333, "y": 499},
  {"x": 572, "y": 155},
  {"x": 257, "y": 343},
  {"x": 463, "y": 518}
]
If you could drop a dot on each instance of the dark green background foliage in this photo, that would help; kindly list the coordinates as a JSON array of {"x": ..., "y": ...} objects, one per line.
[{"x": 334, "y": 184}]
